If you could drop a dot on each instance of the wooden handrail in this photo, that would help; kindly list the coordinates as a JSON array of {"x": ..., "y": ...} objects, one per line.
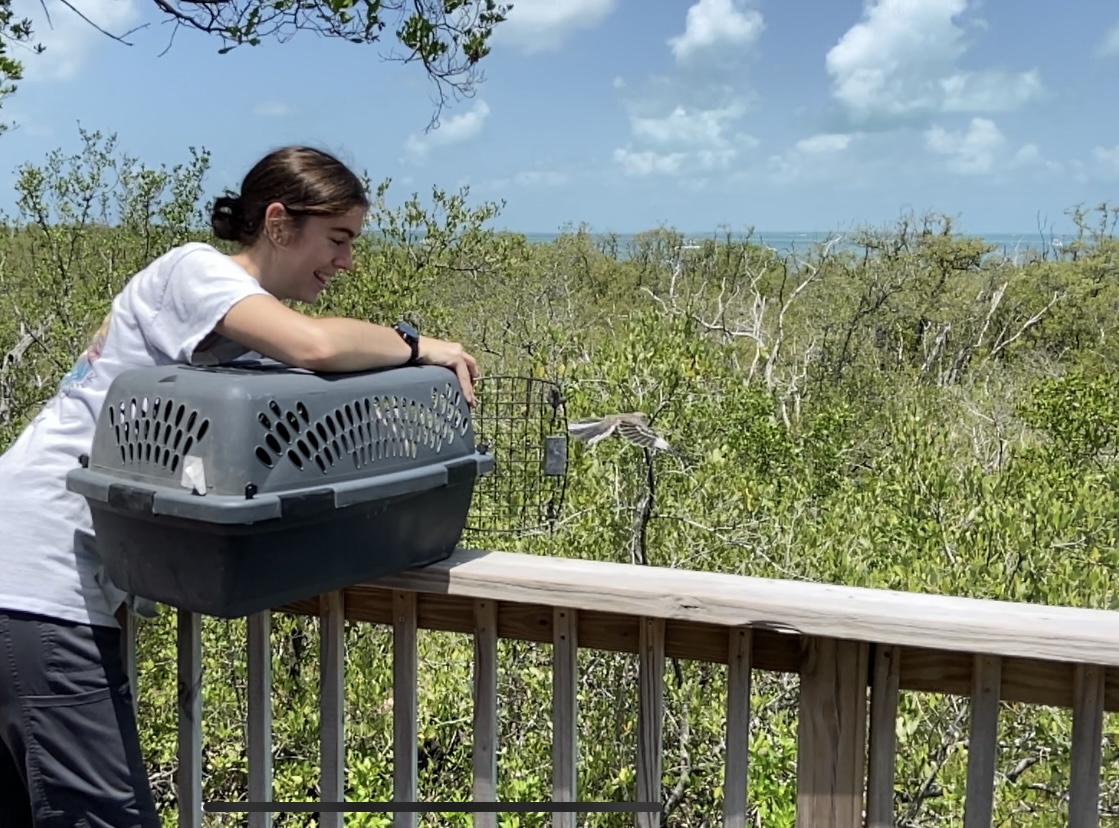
[
  {"x": 940, "y": 622},
  {"x": 841, "y": 641}
]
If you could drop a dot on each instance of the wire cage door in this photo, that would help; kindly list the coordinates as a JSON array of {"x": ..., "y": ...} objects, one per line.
[{"x": 520, "y": 420}]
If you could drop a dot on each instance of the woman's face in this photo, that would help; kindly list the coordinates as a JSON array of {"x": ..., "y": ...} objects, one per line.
[{"x": 321, "y": 246}]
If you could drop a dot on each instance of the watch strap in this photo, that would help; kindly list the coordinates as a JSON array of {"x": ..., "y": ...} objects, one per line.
[{"x": 412, "y": 337}]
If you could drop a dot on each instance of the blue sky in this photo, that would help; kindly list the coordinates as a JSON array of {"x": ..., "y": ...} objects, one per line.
[{"x": 625, "y": 115}]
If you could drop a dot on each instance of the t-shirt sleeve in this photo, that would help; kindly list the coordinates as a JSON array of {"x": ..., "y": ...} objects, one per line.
[{"x": 192, "y": 297}]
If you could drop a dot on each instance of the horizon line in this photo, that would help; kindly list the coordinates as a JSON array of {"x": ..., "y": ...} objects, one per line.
[{"x": 762, "y": 233}]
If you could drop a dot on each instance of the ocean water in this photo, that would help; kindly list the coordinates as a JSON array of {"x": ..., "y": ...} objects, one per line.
[{"x": 1011, "y": 245}]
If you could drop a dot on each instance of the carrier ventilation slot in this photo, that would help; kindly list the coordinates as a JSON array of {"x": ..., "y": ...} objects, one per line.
[
  {"x": 155, "y": 431},
  {"x": 360, "y": 432}
]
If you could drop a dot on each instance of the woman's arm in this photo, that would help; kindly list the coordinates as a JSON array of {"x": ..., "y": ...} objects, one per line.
[{"x": 336, "y": 344}]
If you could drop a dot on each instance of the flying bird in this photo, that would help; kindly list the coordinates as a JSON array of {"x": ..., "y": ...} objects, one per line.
[{"x": 632, "y": 427}]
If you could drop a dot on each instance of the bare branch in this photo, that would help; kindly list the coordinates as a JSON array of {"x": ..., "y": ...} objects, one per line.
[
  {"x": 1029, "y": 323},
  {"x": 11, "y": 361},
  {"x": 82, "y": 15}
]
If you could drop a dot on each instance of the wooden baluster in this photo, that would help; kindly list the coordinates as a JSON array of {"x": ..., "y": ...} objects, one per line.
[
  {"x": 485, "y": 708},
  {"x": 1087, "y": 732},
  {"x": 260, "y": 714},
  {"x": 128, "y": 626},
  {"x": 986, "y": 684},
  {"x": 404, "y": 709},
  {"x": 736, "y": 770},
  {"x": 650, "y": 717},
  {"x": 883, "y": 737},
  {"x": 332, "y": 703},
  {"x": 189, "y": 775},
  {"x": 831, "y": 738},
  {"x": 565, "y": 728}
]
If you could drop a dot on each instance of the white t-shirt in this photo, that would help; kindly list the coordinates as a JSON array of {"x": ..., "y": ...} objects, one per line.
[{"x": 165, "y": 314}]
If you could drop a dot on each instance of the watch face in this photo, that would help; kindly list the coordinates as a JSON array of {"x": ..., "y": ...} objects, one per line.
[{"x": 407, "y": 330}]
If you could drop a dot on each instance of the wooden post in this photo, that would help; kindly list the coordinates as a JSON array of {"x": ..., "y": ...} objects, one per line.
[{"x": 831, "y": 739}]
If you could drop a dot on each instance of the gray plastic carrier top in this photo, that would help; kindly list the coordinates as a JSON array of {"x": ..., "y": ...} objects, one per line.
[{"x": 246, "y": 433}]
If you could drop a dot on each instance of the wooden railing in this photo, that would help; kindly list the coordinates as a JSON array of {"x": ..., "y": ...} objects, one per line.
[{"x": 853, "y": 648}]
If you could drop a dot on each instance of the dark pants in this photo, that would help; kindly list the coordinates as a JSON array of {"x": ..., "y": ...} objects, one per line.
[{"x": 69, "y": 747}]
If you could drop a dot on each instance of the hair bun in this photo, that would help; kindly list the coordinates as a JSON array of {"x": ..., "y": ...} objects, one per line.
[{"x": 227, "y": 218}]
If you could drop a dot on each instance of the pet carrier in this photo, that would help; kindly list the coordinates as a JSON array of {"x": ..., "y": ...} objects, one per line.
[{"x": 228, "y": 490}]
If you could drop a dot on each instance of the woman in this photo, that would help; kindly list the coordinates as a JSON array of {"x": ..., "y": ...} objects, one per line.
[{"x": 69, "y": 749}]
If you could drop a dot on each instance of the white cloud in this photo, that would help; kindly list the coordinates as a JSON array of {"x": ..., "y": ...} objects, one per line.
[
  {"x": 271, "y": 109},
  {"x": 989, "y": 91},
  {"x": 70, "y": 40},
  {"x": 686, "y": 141},
  {"x": 716, "y": 24},
  {"x": 648, "y": 162},
  {"x": 1028, "y": 154},
  {"x": 543, "y": 25},
  {"x": 1107, "y": 158},
  {"x": 969, "y": 153},
  {"x": 1109, "y": 46},
  {"x": 549, "y": 175},
  {"x": 704, "y": 127},
  {"x": 641, "y": 163},
  {"x": 899, "y": 63},
  {"x": 826, "y": 142},
  {"x": 688, "y": 123},
  {"x": 864, "y": 160},
  {"x": 814, "y": 159},
  {"x": 453, "y": 130}
]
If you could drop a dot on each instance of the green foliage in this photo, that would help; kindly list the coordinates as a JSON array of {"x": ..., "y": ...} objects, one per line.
[
  {"x": 13, "y": 32},
  {"x": 916, "y": 412},
  {"x": 1079, "y": 412}
]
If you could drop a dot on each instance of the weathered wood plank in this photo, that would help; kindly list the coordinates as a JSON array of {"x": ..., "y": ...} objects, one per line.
[
  {"x": 1029, "y": 680},
  {"x": 831, "y": 734},
  {"x": 1087, "y": 733},
  {"x": 404, "y": 709},
  {"x": 650, "y": 717},
  {"x": 128, "y": 630},
  {"x": 565, "y": 730},
  {"x": 968, "y": 625},
  {"x": 332, "y": 704},
  {"x": 736, "y": 769},
  {"x": 485, "y": 708},
  {"x": 260, "y": 714},
  {"x": 597, "y": 630},
  {"x": 883, "y": 737},
  {"x": 188, "y": 778},
  {"x": 982, "y": 742}
]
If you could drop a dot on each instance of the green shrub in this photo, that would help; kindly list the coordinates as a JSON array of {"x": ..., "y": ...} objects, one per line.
[{"x": 914, "y": 413}]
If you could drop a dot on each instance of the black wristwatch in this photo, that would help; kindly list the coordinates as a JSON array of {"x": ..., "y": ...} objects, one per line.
[{"x": 412, "y": 337}]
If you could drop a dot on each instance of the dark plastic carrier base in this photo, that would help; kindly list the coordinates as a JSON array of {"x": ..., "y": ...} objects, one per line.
[
  {"x": 235, "y": 570},
  {"x": 226, "y": 491}
]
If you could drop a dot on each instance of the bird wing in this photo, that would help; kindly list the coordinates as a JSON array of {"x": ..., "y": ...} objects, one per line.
[
  {"x": 636, "y": 432},
  {"x": 592, "y": 430}
]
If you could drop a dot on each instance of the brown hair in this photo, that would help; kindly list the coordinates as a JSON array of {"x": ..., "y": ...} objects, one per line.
[{"x": 305, "y": 180}]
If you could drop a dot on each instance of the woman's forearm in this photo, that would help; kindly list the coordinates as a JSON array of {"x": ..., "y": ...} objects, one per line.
[
  {"x": 355, "y": 345},
  {"x": 336, "y": 344},
  {"x": 273, "y": 330}
]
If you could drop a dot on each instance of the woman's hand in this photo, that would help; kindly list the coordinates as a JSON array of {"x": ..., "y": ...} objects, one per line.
[{"x": 451, "y": 355}]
